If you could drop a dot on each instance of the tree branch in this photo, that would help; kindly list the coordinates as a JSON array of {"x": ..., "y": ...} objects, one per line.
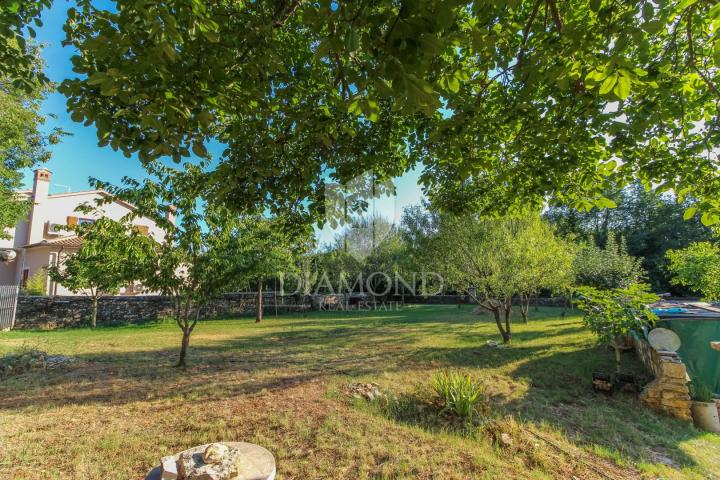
[
  {"x": 395, "y": 22},
  {"x": 293, "y": 7},
  {"x": 555, "y": 15},
  {"x": 691, "y": 52},
  {"x": 526, "y": 34}
]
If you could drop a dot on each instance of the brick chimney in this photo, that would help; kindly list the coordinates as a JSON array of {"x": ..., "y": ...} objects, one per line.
[{"x": 40, "y": 191}]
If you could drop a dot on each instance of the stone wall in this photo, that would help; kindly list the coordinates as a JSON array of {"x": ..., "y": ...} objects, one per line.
[
  {"x": 54, "y": 312},
  {"x": 466, "y": 299},
  {"x": 668, "y": 392},
  {"x": 69, "y": 311}
]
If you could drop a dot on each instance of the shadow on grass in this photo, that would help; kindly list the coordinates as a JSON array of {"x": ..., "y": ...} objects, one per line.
[
  {"x": 241, "y": 365},
  {"x": 560, "y": 395}
]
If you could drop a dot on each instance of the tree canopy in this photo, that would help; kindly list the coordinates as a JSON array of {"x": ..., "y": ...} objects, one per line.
[
  {"x": 499, "y": 259},
  {"x": 649, "y": 222},
  {"x": 504, "y": 104},
  {"x": 18, "y": 56},
  {"x": 23, "y": 143},
  {"x": 613, "y": 314},
  {"x": 609, "y": 267},
  {"x": 697, "y": 267},
  {"x": 207, "y": 250}
]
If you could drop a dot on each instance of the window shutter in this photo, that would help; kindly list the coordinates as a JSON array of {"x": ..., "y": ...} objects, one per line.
[
  {"x": 72, "y": 220},
  {"x": 142, "y": 229}
]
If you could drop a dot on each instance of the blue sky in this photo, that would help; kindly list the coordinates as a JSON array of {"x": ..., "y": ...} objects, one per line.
[{"x": 78, "y": 157}]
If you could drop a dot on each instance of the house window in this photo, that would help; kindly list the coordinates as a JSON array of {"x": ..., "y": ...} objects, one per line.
[{"x": 71, "y": 220}]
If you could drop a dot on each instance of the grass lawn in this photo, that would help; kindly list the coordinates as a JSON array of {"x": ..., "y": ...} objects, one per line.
[{"x": 280, "y": 383}]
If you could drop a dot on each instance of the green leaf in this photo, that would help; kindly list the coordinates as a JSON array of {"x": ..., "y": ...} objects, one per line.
[
  {"x": 211, "y": 36},
  {"x": 354, "y": 106},
  {"x": 708, "y": 219},
  {"x": 169, "y": 50},
  {"x": 647, "y": 11},
  {"x": 199, "y": 149},
  {"x": 604, "y": 202},
  {"x": 608, "y": 84},
  {"x": 622, "y": 87},
  {"x": 689, "y": 213},
  {"x": 97, "y": 78},
  {"x": 352, "y": 42}
]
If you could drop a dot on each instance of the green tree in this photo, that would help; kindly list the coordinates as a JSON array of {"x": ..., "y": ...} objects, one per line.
[
  {"x": 613, "y": 314},
  {"x": 183, "y": 265},
  {"x": 335, "y": 270},
  {"x": 504, "y": 105},
  {"x": 37, "y": 284},
  {"x": 609, "y": 267},
  {"x": 362, "y": 235},
  {"x": 387, "y": 263},
  {"x": 697, "y": 267},
  {"x": 262, "y": 249},
  {"x": 207, "y": 251},
  {"x": 18, "y": 56},
  {"x": 494, "y": 257},
  {"x": 547, "y": 262},
  {"x": 112, "y": 254},
  {"x": 651, "y": 222},
  {"x": 23, "y": 144}
]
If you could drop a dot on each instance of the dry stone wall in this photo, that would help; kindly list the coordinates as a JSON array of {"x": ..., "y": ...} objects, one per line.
[
  {"x": 668, "y": 392},
  {"x": 70, "y": 311}
]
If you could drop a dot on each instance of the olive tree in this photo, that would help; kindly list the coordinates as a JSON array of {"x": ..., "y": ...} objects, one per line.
[{"x": 493, "y": 260}]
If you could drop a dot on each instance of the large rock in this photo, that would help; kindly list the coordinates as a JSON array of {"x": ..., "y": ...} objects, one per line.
[
  {"x": 673, "y": 370},
  {"x": 169, "y": 468},
  {"x": 220, "y": 461},
  {"x": 216, "y": 462}
]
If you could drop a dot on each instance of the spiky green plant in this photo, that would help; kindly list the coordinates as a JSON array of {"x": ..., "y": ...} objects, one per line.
[
  {"x": 460, "y": 394},
  {"x": 699, "y": 391}
]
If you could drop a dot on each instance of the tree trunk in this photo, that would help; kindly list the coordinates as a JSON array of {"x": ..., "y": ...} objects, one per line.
[
  {"x": 503, "y": 333},
  {"x": 524, "y": 307},
  {"x": 617, "y": 357},
  {"x": 508, "y": 309},
  {"x": 93, "y": 317},
  {"x": 184, "y": 346},
  {"x": 259, "y": 310}
]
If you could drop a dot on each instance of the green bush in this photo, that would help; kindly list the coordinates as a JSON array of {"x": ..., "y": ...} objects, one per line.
[
  {"x": 613, "y": 314},
  {"x": 36, "y": 284},
  {"x": 460, "y": 394},
  {"x": 699, "y": 391}
]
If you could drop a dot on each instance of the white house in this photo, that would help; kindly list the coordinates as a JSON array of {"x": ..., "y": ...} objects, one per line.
[{"x": 41, "y": 240}]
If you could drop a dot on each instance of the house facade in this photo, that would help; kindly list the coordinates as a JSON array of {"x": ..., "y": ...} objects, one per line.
[{"x": 43, "y": 240}]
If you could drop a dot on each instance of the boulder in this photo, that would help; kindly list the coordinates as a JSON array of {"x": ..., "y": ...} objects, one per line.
[
  {"x": 215, "y": 462},
  {"x": 219, "y": 461}
]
